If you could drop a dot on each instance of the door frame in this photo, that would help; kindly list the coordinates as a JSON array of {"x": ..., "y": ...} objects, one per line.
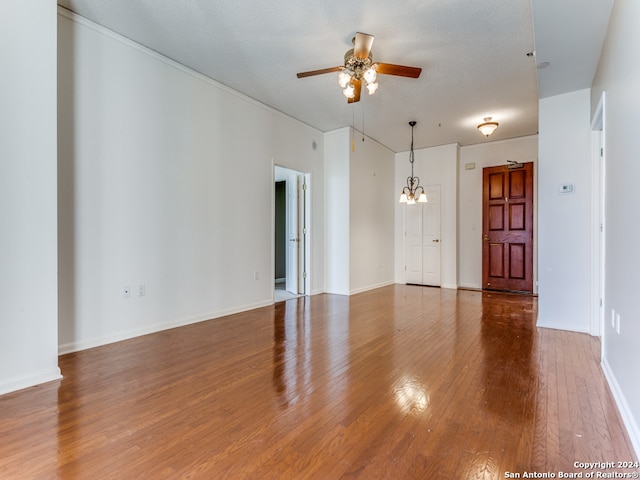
[
  {"x": 598, "y": 223},
  {"x": 280, "y": 173},
  {"x": 529, "y": 217}
]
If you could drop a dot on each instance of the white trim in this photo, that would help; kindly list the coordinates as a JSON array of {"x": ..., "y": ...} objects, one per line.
[
  {"x": 138, "y": 332},
  {"x": 554, "y": 324},
  {"x": 630, "y": 423},
  {"x": 30, "y": 381},
  {"x": 370, "y": 287}
]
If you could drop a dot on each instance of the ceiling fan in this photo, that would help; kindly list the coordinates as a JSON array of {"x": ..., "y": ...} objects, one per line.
[{"x": 359, "y": 66}]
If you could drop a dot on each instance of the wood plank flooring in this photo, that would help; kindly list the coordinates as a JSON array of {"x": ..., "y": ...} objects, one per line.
[{"x": 401, "y": 382}]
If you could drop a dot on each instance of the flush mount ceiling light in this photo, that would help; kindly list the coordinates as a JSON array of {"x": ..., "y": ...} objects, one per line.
[
  {"x": 488, "y": 127},
  {"x": 413, "y": 188}
]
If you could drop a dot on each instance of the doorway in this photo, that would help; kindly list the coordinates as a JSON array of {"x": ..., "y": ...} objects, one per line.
[
  {"x": 291, "y": 245},
  {"x": 423, "y": 241},
  {"x": 507, "y": 228}
]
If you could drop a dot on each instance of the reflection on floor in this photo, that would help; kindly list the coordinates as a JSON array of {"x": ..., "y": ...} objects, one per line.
[{"x": 280, "y": 294}]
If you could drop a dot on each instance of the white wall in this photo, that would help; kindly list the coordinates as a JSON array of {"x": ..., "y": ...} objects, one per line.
[
  {"x": 619, "y": 77},
  {"x": 434, "y": 166},
  {"x": 371, "y": 205},
  {"x": 490, "y": 154},
  {"x": 28, "y": 244},
  {"x": 564, "y": 234},
  {"x": 336, "y": 147},
  {"x": 359, "y": 251},
  {"x": 166, "y": 180}
]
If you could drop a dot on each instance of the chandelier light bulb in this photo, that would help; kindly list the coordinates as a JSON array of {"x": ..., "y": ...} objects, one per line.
[
  {"x": 372, "y": 87},
  {"x": 349, "y": 91},
  {"x": 344, "y": 78},
  {"x": 370, "y": 75}
]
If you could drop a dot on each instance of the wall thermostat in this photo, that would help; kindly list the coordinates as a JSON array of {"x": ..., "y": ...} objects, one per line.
[{"x": 566, "y": 188}]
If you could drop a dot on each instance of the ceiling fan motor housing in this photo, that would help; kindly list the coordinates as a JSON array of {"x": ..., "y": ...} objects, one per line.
[{"x": 357, "y": 66}]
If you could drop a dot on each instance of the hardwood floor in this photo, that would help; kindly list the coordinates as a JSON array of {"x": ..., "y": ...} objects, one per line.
[{"x": 401, "y": 382}]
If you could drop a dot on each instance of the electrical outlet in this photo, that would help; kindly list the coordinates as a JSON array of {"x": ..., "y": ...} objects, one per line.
[
  {"x": 126, "y": 291},
  {"x": 256, "y": 275},
  {"x": 142, "y": 290}
]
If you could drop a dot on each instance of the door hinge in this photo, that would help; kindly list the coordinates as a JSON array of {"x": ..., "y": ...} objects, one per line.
[
  {"x": 304, "y": 274},
  {"x": 601, "y": 152},
  {"x": 304, "y": 186},
  {"x": 600, "y": 302}
]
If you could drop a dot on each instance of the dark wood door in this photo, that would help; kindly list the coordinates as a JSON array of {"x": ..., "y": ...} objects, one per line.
[{"x": 507, "y": 227}]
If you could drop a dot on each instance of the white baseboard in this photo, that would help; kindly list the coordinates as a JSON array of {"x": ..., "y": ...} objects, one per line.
[
  {"x": 370, "y": 287},
  {"x": 555, "y": 325},
  {"x": 30, "y": 381},
  {"x": 117, "y": 337},
  {"x": 623, "y": 407}
]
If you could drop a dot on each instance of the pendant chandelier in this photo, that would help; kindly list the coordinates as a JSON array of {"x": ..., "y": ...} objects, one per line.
[{"x": 413, "y": 191}]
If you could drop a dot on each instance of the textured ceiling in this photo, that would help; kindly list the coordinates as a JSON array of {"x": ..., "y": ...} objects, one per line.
[{"x": 473, "y": 57}]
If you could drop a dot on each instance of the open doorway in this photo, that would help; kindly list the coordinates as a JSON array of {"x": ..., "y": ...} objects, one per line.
[{"x": 291, "y": 246}]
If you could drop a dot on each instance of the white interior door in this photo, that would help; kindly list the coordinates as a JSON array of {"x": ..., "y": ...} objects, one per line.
[
  {"x": 293, "y": 240},
  {"x": 422, "y": 240},
  {"x": 431, "y": 238},
  {"x": 413, "y": 243},
  {"x": 302, "y": 232}
]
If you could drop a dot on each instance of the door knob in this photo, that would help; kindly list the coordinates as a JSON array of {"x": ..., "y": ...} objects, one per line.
[
  {"x": 294, "y": 240},
  {"x": 486, "y": 237},
  {"x": 435, "y": 240}
]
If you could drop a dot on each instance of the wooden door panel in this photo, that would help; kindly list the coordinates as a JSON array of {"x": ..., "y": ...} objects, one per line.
[
  {"x": 496, "y": 186},
  {"x": 496, "y": 218},
  {"x": 517, "y": 261},
  {"x": 507, "y": 223},
  {"x": 496, "y": 260},
  {"x": 517, "y": 184},
  {"x": 517, "y": 216}
]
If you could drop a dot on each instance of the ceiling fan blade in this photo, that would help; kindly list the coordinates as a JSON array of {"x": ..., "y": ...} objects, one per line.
[
  {"x": 357, "y": 88},
  {"x": 362, "y": 45},
  {"x": 319, "y": 72},
  {"x": 399, "y": 70}
]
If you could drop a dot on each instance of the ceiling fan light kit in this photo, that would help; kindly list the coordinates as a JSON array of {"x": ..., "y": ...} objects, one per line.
[
  {"x": 359, "y": 66},
  {"x": 488, "y": 127}
]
